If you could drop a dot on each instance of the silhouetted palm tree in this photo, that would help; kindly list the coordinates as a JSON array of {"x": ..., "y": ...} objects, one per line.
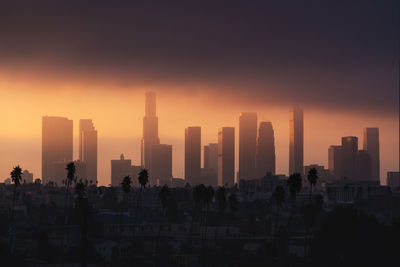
[
  {"x": 68, "y": 182},
  {"x": 279, "y": 197},
  {"x": 16, "y": 177},
  {"x": 143, "y": 179},
  {"x": 312, "y": 178},
  {"x": 126, "y": 187},
  {"x": 164, "y": 196},
  {"x": 82, "y": 204},
  {"x": 198, "y": 196}
]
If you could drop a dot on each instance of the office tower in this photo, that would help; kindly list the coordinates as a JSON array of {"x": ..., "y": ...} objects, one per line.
[
  {"x": 193, "y": 155},
  {"x": 371, "y": 145},
  {"x": 56, "y": 147},
  {"x": 211, "y": 156},
  {"x": 226, "y": 156},
  {"x": 88, "y": 149},
  {"x": 27, "y": 177},
  {"x": 209, "y": 174},
  {"x": 265, "y": 153},
  {"x": 247, "y": 145},
  {"x": 119, "y": 169},
  {"x": 335, "y": 161},
  {"x": 150, "y": 130},
  {"x": 296, "y": 133},
  {"x": 350, "y": 150},
  {"x": 363, "y": 166},
  {"x": 161, "y": 165}
]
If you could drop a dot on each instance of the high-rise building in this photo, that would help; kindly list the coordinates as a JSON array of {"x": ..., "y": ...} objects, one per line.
[
  {"x": 371, "y": 145},
  {"x": 296, "y": 141},
  {"x": 193, "y": 155},
  {"x": 265, "y": 153},
  {"x": 150, "y": 130},
  {"x": 335, "y": 161},
  {"x": 209, "y": 174},
  {"x": 247, "y": 145},
  {"x": 161, "y": 165},
  {"x": 226, "y": 156},
  {"x": 119, "y": 169},
  {"x": 56, "y": 147},
  {"x": 363, "y": 166},
  {"x": 211, "y": 156},
  {"x": 350, "y": 151},
  {"x": 88, "y": 148}
]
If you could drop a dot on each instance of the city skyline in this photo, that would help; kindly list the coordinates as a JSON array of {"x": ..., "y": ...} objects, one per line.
[{"x": 105, "y": 176}]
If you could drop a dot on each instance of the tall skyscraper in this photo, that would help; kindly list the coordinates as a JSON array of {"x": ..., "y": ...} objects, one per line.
[
  {"x": 193, "y": 155},
  {"x": 150, "y": 130},
  {"x": 265, "y": 153},
  {"x": 296, "y": 139},
  {"x": 56, "y": 147},
  {"x": 161, "y": 165},
  {"x": 88, "y": 148},
  {"x": 226, "y": 156},
  {"x": 350, "y": 151},
  {"x": 363, "y": 166},
  {"x": 335, "y": 161},
  {"x": 247, "y": 145},
  {"x": 211, "y": 156},
  {"x": 371, "y": 145}
]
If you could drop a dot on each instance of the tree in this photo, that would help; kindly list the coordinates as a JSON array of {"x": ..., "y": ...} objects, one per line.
[
  {"x": 294, "y": 184},
  {"x": 68, "y": 182},
  {"x": 164, "y": 196},
  {"x": 220, "y": 197},
  {"x": 82, "y": 205},
  {"x": 279, "y": 197},
  {"x": 126, "y": 187},
  {"x": 16, "y": 177},
  {"x": 312, "y": 178},
  {"x": 233, "y": 202},
  {"x": 208, "y": 196},
  {"x": 143, "y": 179}
]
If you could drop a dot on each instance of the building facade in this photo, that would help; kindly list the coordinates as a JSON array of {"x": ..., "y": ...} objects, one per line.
[
  {"x": 247, "y": 145},
  {"x": 296, "y": 141},
  {"x": 88, "y": 148},
  {"x": 226, "y": 156},
  {"x": 265, "y": 152}
]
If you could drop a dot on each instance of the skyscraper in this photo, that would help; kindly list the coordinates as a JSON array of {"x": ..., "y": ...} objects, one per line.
[
  {"x": 335, "y": 161},
  {"x": 211, "y": 156},
  {"x": 371, "y": 145},
  {"x": 363, "y": 166},
  {"x": 56, "y": 146},
  {"x": 247, "y": 145},
  {"x": 296, "y": 137},
  {"x": 193, "y": 155},
  {"x": 150, "y": 130},
  {"x": 350, "y": 151},
  {"x": 265, "y": 153},
  {"x": 88, "y": 148},
  {"x": 161, "y": 165},
  {"x": 226, "y": 156}
]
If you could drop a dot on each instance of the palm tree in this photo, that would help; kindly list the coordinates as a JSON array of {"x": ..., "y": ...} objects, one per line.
[
  {"x": 164, "y": 196},
  {"x": 16, "y": 177},
  {"x": 198, "y": 196},
  {"x": 143, "y": 179},
  {"x": 312, "y": 178},
  {"x": 68, "y": 182},
  {"x": 279, "y": 197},
  {"x": 82, "y": 204},
  {"x": 126, "y": 187}
]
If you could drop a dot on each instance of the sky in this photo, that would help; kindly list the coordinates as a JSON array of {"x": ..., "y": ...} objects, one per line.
[{"x": 207, "y": 61}]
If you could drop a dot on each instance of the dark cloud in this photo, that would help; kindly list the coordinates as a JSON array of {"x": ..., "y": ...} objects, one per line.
[{"x": 342, "y": 53}]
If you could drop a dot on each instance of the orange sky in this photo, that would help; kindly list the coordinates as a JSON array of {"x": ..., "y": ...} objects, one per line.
[{"x": 117, "y": 114}]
